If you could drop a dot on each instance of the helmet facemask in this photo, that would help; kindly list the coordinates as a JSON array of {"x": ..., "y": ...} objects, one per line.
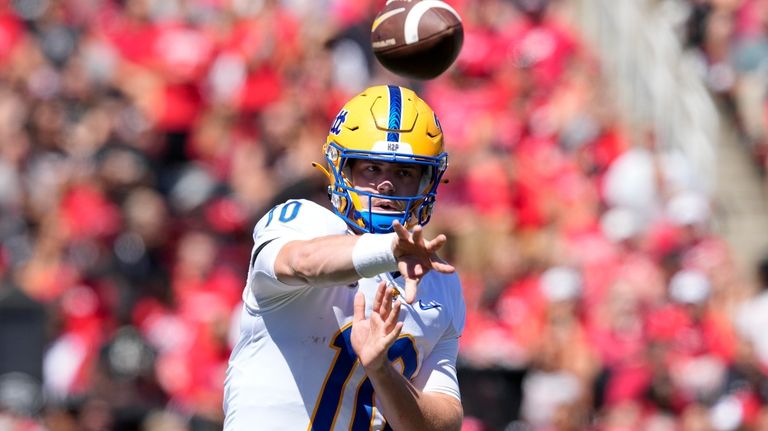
[{"x": 353, "y": 205}]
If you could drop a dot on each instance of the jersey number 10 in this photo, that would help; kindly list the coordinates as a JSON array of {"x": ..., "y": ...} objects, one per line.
[{"x": 329, "y": 400}]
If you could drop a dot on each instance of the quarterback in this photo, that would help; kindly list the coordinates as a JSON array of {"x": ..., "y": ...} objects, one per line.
[{"x": 350, "y": 319}]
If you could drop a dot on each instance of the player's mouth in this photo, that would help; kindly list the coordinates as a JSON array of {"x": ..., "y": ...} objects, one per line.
[{"x": 387, "y": 206}]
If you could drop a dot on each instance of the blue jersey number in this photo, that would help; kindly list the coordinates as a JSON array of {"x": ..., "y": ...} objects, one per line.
[
  {"x": 288, "y": 212},
  {"x": 329, "y": 400}
]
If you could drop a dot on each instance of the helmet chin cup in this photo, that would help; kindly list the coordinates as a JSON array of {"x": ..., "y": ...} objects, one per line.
[{"x": 381, "y": 222}]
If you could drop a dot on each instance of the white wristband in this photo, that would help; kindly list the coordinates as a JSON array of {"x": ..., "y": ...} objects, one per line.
[{"x": 372, "y": 254}]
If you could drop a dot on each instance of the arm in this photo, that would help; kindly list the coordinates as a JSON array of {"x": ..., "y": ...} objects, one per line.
[
  {"x": 323, "y": 261},
  {"x": 402, "y": 404},
  {"x": 407, "y": 408},
  {"x": 341, "y": 259}
]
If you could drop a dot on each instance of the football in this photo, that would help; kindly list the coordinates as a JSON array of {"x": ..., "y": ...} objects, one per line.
[{"x": 417, "y": 39}]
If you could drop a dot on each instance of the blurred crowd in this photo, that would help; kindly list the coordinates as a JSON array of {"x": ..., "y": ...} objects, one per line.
[
  {"x": 140, "y": 140},
  {"x": 729, "y": 40}
]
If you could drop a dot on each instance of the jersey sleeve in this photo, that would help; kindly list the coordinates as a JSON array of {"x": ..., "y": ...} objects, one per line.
[
  {"x": 292, "y": 220},
  {"x": 438, "y": 371}
]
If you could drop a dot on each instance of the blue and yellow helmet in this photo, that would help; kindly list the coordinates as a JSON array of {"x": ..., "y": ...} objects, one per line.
[{"x": 390, "y": 124}]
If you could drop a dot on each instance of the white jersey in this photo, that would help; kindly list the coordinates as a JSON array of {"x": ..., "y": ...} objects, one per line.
[{"x": 293, "y": 367}]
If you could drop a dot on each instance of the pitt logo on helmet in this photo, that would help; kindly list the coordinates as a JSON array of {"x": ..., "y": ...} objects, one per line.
[
  {"x": 338, "y": 122},
  {"x": 390, "y": 124}
]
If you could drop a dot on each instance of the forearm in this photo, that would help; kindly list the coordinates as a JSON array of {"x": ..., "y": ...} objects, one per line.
[
  {"x": 329, "y": 260},
  {"x": 406, "y": 408},
  {"x": 319, "y": 261}
]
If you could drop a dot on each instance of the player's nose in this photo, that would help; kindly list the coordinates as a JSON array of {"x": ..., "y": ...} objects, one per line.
[{"x": 386, "y": 187}]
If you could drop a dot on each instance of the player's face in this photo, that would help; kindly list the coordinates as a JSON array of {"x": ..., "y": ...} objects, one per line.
[{"x": 385, "y": 178}]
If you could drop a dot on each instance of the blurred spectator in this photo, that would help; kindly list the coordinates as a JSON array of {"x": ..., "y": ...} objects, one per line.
[
  {"x": 730, "y": 41},
  {"x": 751, "y": 318}
]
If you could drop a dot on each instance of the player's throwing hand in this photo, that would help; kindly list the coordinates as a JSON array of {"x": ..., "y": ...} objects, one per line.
[{"x": 416, "y": 256}]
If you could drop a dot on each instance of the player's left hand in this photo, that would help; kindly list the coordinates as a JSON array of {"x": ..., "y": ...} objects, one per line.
[{"x": 372, "y": 337}]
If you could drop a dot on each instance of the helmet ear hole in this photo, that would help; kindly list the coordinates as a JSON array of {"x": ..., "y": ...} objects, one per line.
[{"x": 340, "y": 202}]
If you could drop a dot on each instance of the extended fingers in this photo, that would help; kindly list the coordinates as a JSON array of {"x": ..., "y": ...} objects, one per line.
[
  {"x": 437, "y": 263},
  {"x": 359, "y": 308},
  {"x": 437, "y": 243},
  {"x": 386, "y": 304},
  {"x": 441, "y": 266},
  {"x": 377, "y": 300},
  {"x": 401, "y": 231},
  {"x": 417, "y": 271},
  {"x": 393, "y": 316},
  {"x": 390, "y": 338},
  {"x": 422, "y": 253},
  {"x": 411, "y": 286},
  {"x": 418, "y": 235}
]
